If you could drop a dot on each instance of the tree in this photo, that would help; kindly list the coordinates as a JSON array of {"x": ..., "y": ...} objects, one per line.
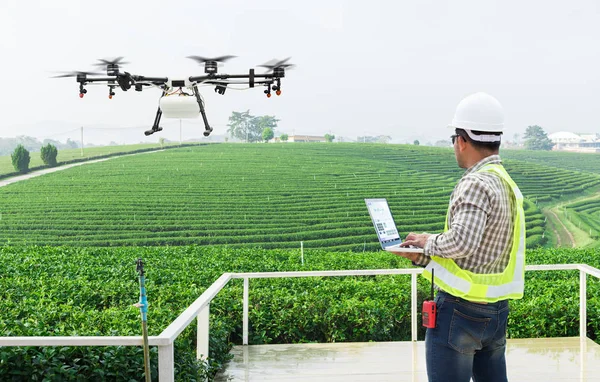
[
  {"x": 29, "y": 143},
  {"x": 249, "y": 128},
  {"x": 384, "y": 139},
  {"x": 267, "y": 134},
  {"x": 371, "y": 139},
  {"x": 284, "y": 137},
  {"x": 20, "y": 159},
  {"x": 265, "y": 122},
  {"x": 48, "y": 154},
  {"x": 537, "y": 139},
  {"x": 443, "y": 143},
  {"x": 416, "y": 142},
  {"x": 161, "y": 140},
  {"x": 516, "y": 138},
  {"x": 72, "y": 144},
  {"x": 329, "y": 137},
  {"x": 239, "y": 124}
]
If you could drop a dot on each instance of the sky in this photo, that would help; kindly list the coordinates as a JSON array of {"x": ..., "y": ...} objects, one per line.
[{"x": 396, "y": 68}]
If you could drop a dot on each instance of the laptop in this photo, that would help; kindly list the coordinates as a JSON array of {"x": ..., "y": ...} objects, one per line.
[{"x": 388, "y": 235}]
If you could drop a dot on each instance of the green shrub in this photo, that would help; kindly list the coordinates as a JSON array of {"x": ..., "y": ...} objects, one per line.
[
  {"x": 20, "y": 159},
  {"x": 89, "y": 291},
  {"x": 48, "y": 154}
]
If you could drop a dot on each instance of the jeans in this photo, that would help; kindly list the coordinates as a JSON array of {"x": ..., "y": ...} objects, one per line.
[{"x": 469, "y": 341}]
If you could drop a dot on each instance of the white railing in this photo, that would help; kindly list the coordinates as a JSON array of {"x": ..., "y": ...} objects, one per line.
[{"x": 201, "y": 307}]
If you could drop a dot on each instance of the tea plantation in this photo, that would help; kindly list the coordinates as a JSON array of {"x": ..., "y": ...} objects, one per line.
[
  {"x": 272, "y": 196},
  {"x": 69, "y": 240}
]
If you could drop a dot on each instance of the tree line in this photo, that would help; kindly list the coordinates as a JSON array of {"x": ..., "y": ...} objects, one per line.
[
  {"x": 8, "y": 145},
  {"x": 249, "y": 128}
]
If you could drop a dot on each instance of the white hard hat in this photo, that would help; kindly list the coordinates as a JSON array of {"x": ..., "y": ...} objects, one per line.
[{"x": 479, "y": 112}]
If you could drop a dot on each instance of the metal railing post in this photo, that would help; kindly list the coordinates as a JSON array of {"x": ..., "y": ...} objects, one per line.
[
  {"x": 166, "y": 366},
  {"x": 413, "y": 306},
  {"x": 203, "y": 333},
  {"x": 582, "y": 304},
  {"x": 245, "y": 323}
]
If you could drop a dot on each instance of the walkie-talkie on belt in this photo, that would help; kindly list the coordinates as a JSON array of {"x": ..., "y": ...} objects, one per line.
[{"x": 429, "y": 312}]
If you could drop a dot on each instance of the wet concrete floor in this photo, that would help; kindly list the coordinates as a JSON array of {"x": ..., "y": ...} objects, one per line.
[{"x": 539, "y": 359}]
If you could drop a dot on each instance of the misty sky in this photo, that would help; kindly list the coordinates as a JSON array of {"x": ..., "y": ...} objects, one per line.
[{"x": 396, "y": 68}]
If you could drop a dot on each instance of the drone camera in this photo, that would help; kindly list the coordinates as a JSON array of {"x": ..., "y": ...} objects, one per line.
[
  {"x": 220, "y": 89},
  {"x": 139, "y": 87},
  {"x": 178, "y": 83}
]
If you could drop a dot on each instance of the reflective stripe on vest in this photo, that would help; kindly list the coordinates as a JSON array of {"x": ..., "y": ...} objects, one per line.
[{"x": 487, "y": 287}]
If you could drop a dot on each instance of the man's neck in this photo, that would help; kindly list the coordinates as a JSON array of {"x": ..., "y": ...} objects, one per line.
[{"x": 478, "y": 156}]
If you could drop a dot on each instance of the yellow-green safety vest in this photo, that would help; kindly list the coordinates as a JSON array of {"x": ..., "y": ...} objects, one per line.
[{"x": 486, "y": 287}]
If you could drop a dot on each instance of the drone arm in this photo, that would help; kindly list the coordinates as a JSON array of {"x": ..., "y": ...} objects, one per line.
[
  {"x": 154, "y": 80},
  {"x": 215, "y": 77},
  {"x": 207, "y": 128}
]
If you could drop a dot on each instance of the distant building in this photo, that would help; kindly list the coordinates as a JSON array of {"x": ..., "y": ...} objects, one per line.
[{"x": 566, "y": 141}]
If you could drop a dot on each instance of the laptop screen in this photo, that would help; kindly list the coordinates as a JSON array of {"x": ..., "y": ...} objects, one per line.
[{"x": 383, "y": 221}]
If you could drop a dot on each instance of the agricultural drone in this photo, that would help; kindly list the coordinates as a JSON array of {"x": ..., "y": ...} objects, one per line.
[{"x": 180, "y": 96}]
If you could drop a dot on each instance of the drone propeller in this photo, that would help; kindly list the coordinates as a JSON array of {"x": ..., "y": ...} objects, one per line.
[
  {"x": 74, "y": 74},
  {"x": 112, "y": 66},
  {"x": 202, "y": 60},
  {"x": 210, "y": 64},
  {"x": 274, "y": 64},
  {"x": 106, "y": 62}
]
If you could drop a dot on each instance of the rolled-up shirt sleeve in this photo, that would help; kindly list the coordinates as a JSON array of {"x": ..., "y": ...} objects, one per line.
[{"x": 469, "y": 213}]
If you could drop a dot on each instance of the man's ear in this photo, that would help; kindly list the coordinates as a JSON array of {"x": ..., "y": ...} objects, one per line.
[{"x": 462, "y": 143}]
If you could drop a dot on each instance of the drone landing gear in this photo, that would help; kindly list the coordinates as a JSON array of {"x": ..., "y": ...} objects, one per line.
[
  {"x": 155, "y": 126},
  {"x": 207, "y": 128}
]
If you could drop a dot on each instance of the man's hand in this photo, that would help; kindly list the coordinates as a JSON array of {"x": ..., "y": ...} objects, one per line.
[
  {"x": 416, "y": 240},
  {"x": 413, "y": 239}
]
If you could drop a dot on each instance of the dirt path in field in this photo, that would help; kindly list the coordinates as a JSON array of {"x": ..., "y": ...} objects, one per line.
[
  {"x": 33, "y": 174},
  {"x": 556, "y": 234},
  {"x": 565, "y": 229}
]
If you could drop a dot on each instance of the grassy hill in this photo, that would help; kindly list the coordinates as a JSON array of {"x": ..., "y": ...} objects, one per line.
[
  {"x": 578, "y": 162},
  {"x": 273, "y": 196},
  {"x": 69, "y": 155}
]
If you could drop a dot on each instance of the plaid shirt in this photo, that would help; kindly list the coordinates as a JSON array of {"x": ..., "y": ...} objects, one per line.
[{"x": 480, "y": 223}]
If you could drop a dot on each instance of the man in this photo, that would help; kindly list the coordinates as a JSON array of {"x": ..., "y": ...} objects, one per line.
[{"x": 479, "y": 260}]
